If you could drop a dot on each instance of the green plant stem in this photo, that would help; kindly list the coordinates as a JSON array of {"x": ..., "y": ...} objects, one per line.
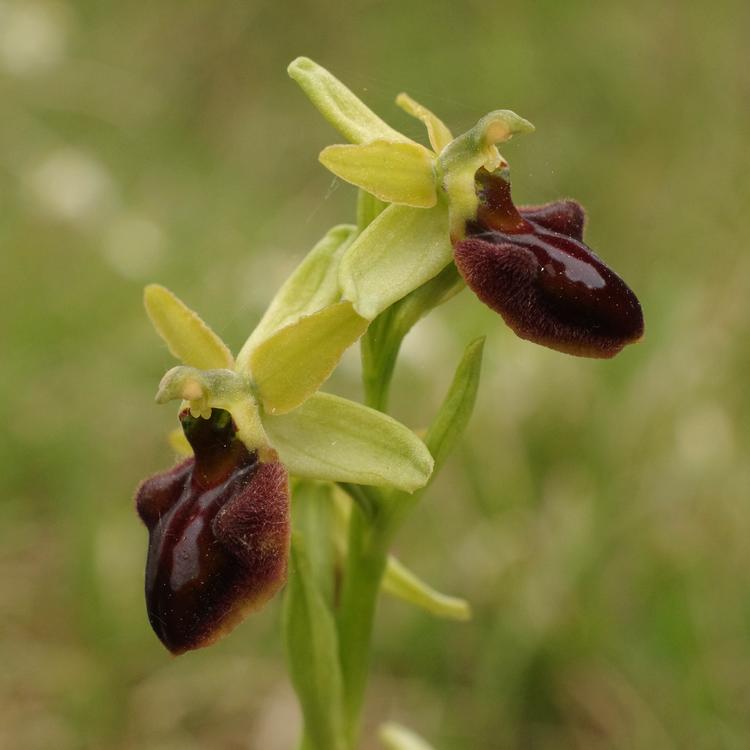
[{"x": 369, "y": 541}]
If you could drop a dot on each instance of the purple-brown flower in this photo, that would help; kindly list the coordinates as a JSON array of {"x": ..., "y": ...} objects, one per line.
[
  {"x": 532, "y": 266},
  {"x": 218, "y": 528}
]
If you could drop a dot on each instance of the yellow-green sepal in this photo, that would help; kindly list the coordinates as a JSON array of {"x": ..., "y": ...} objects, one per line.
[
  {"x": 345, "y": 111},
  {"x": 332, "y": 438},
  {"x": 313, "y": 285},
  {"x": 294, "y": 362},
  {"x": 400, "y": 582},
  {"x": 394, "y": 172},
  {"x": 437, "y": 131},
  {"x": 401, "y": 250},
  {"x": 184, "y": 332}
]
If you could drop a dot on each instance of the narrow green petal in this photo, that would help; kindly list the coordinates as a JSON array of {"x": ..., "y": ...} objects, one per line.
[
  {"x": 401, "y": 250},
  {"x": 187, "y": 336},
  {"x": 437, "y": 131},
  {"x": 395, "y": 737},
  {"x": 348, "y": 114},
  {"x": 394, "y": 172},
  {"x": 294, "y": 362},
  {"x": 312, "y": 650},
  {"x": 313, "y": 285},
  {"x": 339, "y": 440},
  {"x": 400, "y": 582}
]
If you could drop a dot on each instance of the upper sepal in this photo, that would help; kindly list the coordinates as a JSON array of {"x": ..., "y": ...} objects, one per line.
[{"x": 345, "y": 111}]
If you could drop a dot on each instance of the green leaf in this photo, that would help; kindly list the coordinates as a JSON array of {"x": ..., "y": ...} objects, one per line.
[
  {"x": 339, "y": 440},
  {"x": 312, "y": 652},
  {"x": 400, "y": 582},
  {"x": 294, "y": 362},
  {"x": 187, "y": 336},
  {"x": 437, "y": 131},
  {"x": 395, "y": 737},
  {"x": 348, "y": 114},
  {"x": 456, "y": 409},
  {"x": 394, "y": 172},
  {"x": 313, "y": 285},
  {"x": 401, "y": 250}
]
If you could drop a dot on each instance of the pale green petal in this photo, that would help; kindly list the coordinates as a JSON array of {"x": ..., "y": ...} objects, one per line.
[
  {"x": 294, "y": 362},
  {"x": 437, "y": 131},
  {"x": 348, "y": 114},
  {"x": 401, "y": 250},
  {"x": 187, "y": 336},
  {"x": 339, "y": 440},
  {"x": 395, "y": 737},
  {"x": 313, "y": 285},
  {"x": 394, "y": 172},
  {"x": 400, "y": 582}
]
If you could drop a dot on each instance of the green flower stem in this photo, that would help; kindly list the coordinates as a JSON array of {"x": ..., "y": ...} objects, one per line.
[
  {"x": 369, "y": 542},
  {"x": 382, "y": 342}
]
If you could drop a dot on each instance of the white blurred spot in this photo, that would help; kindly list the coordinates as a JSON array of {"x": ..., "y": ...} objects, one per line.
[
  {"x": 70, "y": 185},
  {"x": 133, "y": 246},
  {"x": 705, "y": 436},
  {"x": 32, "y": 37},
  {"x": 279, "y": 722}
]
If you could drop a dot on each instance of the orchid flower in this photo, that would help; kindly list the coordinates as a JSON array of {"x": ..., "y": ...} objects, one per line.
[
  {"x": 218, "y": 522},
  {"x": 452, "y": 203}
]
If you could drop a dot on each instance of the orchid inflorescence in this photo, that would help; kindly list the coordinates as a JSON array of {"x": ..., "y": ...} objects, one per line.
[{"x": 430, "y": 221}]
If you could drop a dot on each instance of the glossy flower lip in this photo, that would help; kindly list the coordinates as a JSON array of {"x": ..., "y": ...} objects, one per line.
[
  {"x": 532, "y": 266},
  {"x": 219, "y": 532}
]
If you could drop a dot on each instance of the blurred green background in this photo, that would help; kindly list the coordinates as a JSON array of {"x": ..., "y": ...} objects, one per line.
[{"x": 598, "y": 513}]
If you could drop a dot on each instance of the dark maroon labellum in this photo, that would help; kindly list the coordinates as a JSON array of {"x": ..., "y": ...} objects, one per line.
[
  {"x": 218, "y": 528},
  {"x": 532, "y": 266}
]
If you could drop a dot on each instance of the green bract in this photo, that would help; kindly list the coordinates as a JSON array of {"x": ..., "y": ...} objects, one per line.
[
  {"x": 400, "y": 582},
  {"x": 271, "y": 391},
  {"x": 395, "y": 737},
  {"x": 432, "y": 192}
]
